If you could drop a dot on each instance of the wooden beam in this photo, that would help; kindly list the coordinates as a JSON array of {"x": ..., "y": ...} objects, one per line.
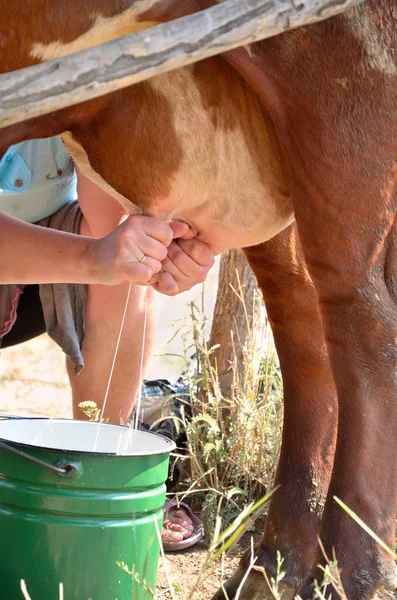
[{"x": 63, "y": 82}]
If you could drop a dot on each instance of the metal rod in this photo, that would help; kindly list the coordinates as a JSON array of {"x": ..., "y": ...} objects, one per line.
[{"x": 59, "y": 470}]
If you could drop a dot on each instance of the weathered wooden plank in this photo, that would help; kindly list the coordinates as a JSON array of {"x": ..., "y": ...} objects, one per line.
[{"x": 63, "y": 82}]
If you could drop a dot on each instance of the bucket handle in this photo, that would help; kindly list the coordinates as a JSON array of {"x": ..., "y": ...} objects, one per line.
[
  {"x": 6, "y": 416},
  {"x": 60, "y": 470}
]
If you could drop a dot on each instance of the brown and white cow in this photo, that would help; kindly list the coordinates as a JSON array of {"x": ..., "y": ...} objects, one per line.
[{"x": 303, "y": 125}]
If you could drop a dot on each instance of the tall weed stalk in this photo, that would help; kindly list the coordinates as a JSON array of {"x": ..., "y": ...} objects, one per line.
[{"x": 232, "y": 442}]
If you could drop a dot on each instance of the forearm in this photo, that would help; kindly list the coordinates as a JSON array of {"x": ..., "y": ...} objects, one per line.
[{"x": 33, "y": 254}]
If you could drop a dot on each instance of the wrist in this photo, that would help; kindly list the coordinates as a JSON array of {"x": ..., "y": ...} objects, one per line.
[{"x": 89, "y": 265}]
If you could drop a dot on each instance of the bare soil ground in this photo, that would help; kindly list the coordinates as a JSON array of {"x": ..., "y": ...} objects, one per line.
[{"x": 184, "y": 569}]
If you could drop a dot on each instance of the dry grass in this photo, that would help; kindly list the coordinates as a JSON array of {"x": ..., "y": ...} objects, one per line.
[{"x": 232, "y": 442}]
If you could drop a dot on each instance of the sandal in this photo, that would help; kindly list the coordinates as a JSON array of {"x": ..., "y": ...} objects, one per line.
[{"x": 194, "y": 538}]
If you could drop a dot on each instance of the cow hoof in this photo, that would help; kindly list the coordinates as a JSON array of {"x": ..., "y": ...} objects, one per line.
[
  {"x": 388, "y": 584},
  {"x": 253, "y": 588}
]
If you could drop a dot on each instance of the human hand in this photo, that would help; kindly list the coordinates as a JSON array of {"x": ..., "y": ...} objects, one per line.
[
  {"x": 186, "y": 264},
  {"x": 134, "y": 251}
]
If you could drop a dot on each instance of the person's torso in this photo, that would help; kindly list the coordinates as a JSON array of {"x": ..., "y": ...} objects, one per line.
[{"x": 37, "y": 178}]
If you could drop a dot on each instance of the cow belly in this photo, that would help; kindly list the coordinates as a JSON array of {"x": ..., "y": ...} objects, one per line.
[
  {"x": 195, "y": 145},
  {"x": 229, "y": 185}
]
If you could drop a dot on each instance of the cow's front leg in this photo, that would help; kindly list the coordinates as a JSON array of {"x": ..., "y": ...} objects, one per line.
[{"x": 310, "y": 418}]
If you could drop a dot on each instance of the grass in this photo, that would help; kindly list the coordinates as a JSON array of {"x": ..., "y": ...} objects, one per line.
[{"x": 233, "y": 441}]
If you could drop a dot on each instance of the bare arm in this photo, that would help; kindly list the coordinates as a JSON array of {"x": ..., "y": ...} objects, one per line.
[{"x": 33, "y": 254}]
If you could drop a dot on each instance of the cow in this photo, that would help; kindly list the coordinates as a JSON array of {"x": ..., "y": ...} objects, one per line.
[{"x": 287, "y": 148}]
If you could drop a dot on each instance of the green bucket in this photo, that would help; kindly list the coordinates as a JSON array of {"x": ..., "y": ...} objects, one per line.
[{"x": 79, "y": 514}]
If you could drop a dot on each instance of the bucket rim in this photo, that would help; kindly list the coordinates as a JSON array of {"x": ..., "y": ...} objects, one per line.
[{"x": 166, "y": 450}]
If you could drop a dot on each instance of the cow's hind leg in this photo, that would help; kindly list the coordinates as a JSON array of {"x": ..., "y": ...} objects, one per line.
[
  {"x": 345, "y": 212},
  {"x": 333, "y": 102},
  {"x": 310, "y": 418},
  {"x": 361, "y": 326},
  {"x": 360, "y": 320}
]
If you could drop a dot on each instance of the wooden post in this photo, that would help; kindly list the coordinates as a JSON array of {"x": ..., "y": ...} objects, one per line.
[
  {"x": 233, "y": 319},
  {"x": 56, "y": 84}
]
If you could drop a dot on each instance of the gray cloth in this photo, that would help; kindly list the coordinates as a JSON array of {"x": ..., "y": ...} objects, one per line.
[{"x": 63, "y": 303}]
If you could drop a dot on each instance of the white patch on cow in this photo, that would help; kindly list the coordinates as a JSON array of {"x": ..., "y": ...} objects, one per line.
[
  {"x": 80, "y": 158},
  {"x": 379, "y": 58},
  {"x": 229, "y": 185},
  {"x": 103, "y": 29}
]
